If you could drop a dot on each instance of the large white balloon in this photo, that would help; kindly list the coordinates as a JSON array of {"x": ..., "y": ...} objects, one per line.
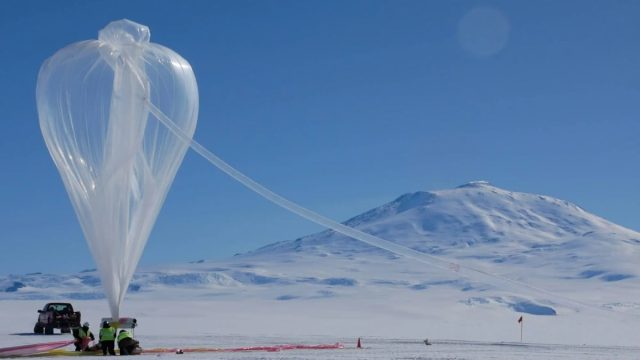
[{"x": 116, "y": 161}]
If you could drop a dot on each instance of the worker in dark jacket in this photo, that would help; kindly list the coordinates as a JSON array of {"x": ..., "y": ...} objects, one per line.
[
  {"x": 107, "y": 339},
  {"x": 126, "y": 343},
  {"x": 83, "y": 337}
]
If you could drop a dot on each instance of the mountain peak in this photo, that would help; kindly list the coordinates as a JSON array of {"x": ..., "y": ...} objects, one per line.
[
  {"x": 475, "y": 220},
  {"x": 475, "y": 184}
]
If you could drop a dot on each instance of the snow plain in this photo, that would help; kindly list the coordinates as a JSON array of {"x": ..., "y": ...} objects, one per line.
[
  {"x": 214, "y": 324},
  {"x": 572, "y": 275}
]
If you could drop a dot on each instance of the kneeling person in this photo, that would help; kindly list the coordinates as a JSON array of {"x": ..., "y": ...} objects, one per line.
[
  {"x": 126, "y": 343},
  {"x": 82, "y": 337}
]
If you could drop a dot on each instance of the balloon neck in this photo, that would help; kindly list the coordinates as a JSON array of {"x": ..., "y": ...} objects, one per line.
[{"x": 122, "y": 33}]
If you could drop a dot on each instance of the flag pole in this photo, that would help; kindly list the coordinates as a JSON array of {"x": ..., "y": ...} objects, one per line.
[{"x": 521, "y": 322}]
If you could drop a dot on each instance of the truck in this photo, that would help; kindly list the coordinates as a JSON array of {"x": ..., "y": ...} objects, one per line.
[{"x": 57, "y": 316}]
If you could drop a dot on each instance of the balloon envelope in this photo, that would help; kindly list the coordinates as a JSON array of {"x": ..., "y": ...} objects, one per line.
[{"x": 116, "y": 160}]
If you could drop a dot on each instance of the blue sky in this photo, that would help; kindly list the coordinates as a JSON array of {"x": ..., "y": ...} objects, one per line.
[{"x": 341, "y": 106}]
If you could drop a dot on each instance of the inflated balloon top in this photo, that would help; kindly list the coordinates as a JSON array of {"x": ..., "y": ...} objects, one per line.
[{"x": 117, "y": 161}]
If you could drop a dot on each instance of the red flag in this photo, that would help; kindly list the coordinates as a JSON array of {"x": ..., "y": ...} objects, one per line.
[{"x": 520, "y": 320}]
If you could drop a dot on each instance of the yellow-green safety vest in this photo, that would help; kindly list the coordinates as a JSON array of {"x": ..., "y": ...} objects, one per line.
[
  {"x": 82, "y": 334},
  {"x": 107, "y": 334},
  {"x": 124, "y": 335}
]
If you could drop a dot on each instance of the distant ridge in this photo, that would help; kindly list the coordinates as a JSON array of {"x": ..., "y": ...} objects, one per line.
[
  {"x": 473, "y": 215},
  {"x": 536, "y": 239}
]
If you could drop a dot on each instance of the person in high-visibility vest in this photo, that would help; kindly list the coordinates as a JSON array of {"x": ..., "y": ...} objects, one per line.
[
  {"x": 83, "y": 336},
  {"x": 126, "y": 343},
  {"x": 107, "y": 338}
]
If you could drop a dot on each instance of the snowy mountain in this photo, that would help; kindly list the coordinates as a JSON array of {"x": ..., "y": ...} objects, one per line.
[
  {"x": 523, "y": 252},
  {"x": 476, "y": 217}
]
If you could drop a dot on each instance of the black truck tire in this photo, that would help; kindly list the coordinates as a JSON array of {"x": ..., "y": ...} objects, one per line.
[{"x": 38, "y": 329}]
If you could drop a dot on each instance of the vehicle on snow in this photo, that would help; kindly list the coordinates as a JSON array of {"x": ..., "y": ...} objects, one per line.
[{"x": 57, "y": 316}]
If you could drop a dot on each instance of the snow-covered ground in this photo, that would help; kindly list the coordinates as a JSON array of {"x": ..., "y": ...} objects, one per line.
[
  {"x": 194, "y": 324},
  {"x": 226, "y": 324},
  {"x": 572, "y": 275}
]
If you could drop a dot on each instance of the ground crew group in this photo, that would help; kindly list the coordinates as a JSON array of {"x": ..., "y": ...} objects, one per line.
[{"x": 107, "y": 339}]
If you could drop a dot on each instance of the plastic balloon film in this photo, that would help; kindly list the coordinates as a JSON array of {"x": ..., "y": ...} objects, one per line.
[{"x": 116, "y": 161}]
